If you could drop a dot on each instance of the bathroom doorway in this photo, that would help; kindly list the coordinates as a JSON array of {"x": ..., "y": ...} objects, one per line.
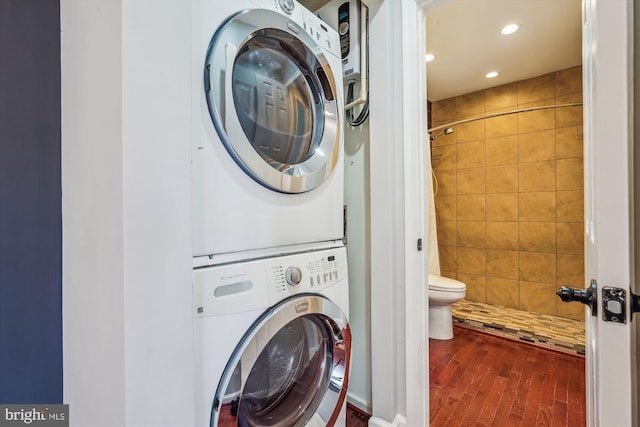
[{"x": 508, "y": 169}]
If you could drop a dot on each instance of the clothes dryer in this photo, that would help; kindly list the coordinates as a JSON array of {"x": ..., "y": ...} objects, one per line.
[
  {"x": 267, "y": 138},
  {"x": 272, "y": 341}
]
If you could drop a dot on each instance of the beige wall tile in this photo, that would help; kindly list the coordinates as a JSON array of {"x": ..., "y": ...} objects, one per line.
[
  {"x": 504, "y": 182},
  {"x": 502, "y": 264},
  {"x": 447, "y": 233},
  {"x": 443, "y": 112},
  {"x": 570, "y": 270},
  {"x": 537, "y": 146},
  {"x": 569, "y": 116},
  {"x": 501, "y": 97},
  {"x": 569, "y": 143},
  {"x": 446, "y": 182},
  {"x": 570, "y": 310},
  {"x": 538, "y": 237},
  {"x": 449, "y": 274},
  {"x": 471, "y": 181},
  {"x": 536, "y": 88},
  {"x": 471, "y": 154},
  {"x": 570, "y": 206},
  {"x": 538, "y": 297},
  {"x": 502, "y": 150},
  {"x": 446, "y": 208},
  {"x": 570, "y": 237},
  {"x": 472, "y": 261},
  {"x": 471, "y": 208},
  {"x": 569, "y": 99},
  {"x": 476, "y": 287},
  {"x": 537, "y": 206},
  {"x": 503, "y": 292},
  {"x": 502, "y": 126},
  {"x": 472, "y": 234},
  {"x": 443, "y": 157},
  {"x": 537, "y": 267},
  {"x": 537, "y": 120},
  {"x": 569, "y": 174},
  {"x": 502, "y": 235},
  {"x": 502, "y": 207},
  {"x": 470, "y": 131},
  {"x": 448, "y": 258},
  {"x": 472, "y": 103},
  {"x": 537, "y": 176},
  {"x": 569, "y": 81},
  {"x": 502, "y": 179}
]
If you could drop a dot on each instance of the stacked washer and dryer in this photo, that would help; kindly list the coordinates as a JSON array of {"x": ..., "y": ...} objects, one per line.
[{"x": 270, "y": 289}]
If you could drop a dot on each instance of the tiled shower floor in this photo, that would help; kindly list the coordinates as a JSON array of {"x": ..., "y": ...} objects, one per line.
[{"x": 557, "y": 333}]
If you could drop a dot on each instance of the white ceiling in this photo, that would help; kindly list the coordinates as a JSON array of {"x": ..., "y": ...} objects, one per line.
[{"x": 465, "y": 37}]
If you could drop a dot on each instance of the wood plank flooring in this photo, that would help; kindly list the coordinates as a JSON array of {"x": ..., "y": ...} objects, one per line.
[
  {"x": 477, "y": 379},
  {"x": 356, "y": 418}
]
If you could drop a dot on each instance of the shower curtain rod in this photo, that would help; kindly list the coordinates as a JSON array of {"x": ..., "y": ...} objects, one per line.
[{"x": 524, "y": 110}]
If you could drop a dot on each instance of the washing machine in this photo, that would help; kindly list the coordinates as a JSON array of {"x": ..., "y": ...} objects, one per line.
[
  {"x": 272, "y": 341},
  {"x": 267, "y": 119}
]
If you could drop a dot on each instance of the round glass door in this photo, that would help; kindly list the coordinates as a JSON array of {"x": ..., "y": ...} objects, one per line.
[
  {"x": 272, "y": 99},
  {"x": 289, "y": 370}
]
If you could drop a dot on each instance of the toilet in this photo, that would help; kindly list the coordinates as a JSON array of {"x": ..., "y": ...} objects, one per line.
[{"x": 442, "y": 293}]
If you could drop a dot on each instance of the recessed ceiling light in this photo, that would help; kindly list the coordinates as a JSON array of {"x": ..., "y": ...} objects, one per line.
[
  {"x": 510, "y": 29},
  {"x": 429, "y": 57},
  {"x": 491, "y": 74}
]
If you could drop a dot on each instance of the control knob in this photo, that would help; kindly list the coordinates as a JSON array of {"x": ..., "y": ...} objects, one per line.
[
  {"x": 287, "y": 6},
  {"x": 293, "y": 276}
]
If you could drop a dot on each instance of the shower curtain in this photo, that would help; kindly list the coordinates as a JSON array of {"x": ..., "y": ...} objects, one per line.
[{"x": 434, "y": 258}]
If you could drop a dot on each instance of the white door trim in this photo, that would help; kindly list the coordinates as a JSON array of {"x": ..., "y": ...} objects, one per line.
[
  {"x": 399, "y": 302},
  {"x": 608, "y": 185}
]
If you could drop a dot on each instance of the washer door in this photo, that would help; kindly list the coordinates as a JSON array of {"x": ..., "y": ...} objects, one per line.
[
  {"x": 273, "y": 100},
  {"x": 290, "y": 369}
]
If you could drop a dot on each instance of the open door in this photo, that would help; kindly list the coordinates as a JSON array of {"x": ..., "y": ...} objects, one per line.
[{"x": 607, "y": 67}]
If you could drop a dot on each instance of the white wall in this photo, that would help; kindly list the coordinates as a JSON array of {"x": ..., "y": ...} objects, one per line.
[
  {"x": 356, "y": 198},
  {"x": 128, "y": 339},
  {"x": 398, "y": 287}
]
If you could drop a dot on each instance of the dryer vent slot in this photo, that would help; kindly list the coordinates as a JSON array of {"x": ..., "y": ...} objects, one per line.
[
  {"x": 326, "y": 86},
  {"x": 234, "y": 288}
]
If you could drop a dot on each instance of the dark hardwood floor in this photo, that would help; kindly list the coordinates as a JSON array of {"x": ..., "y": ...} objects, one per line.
[
  {"x": 356, "y": 418},
  {"x": 477, "y": 379}
]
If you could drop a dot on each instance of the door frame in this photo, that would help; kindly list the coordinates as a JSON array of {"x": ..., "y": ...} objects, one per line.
[
  {"x": 608, "y": 171},
  {"x": 400, "y": 345}
]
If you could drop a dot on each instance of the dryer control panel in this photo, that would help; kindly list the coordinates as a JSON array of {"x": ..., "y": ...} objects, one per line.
[{"x": 306, "y": 272}]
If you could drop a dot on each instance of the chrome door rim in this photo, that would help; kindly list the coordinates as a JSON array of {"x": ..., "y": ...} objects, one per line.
[
  {"x": 276, "y": 318},
  {"x": 282, "y": 177}
]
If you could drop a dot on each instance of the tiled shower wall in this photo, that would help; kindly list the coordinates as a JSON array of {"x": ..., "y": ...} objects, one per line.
[{"x": 509, "y": 203}]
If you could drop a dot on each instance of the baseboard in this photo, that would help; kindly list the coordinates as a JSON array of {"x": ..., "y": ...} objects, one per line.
[
  {"x": 359, "y": 404},
  {"x": 398, "y": 421}
]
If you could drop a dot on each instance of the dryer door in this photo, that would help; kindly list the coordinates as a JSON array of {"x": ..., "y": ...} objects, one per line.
[
  {"x": 273, "y": 100},
  {"x": 290, "y": 369}
]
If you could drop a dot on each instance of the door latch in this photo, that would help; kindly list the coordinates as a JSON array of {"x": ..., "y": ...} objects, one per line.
[
  {"x": 614, "y": 301},
  {"x": 614, "y": 305}
]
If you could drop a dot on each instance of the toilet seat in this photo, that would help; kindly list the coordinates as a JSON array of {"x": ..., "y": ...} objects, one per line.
[{"x": 445, "y": 284}]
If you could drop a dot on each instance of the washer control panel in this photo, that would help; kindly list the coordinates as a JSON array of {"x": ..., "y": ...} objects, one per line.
[
  {"x": 258, "y": 283},
  {"x": 306, "y": 272}
]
